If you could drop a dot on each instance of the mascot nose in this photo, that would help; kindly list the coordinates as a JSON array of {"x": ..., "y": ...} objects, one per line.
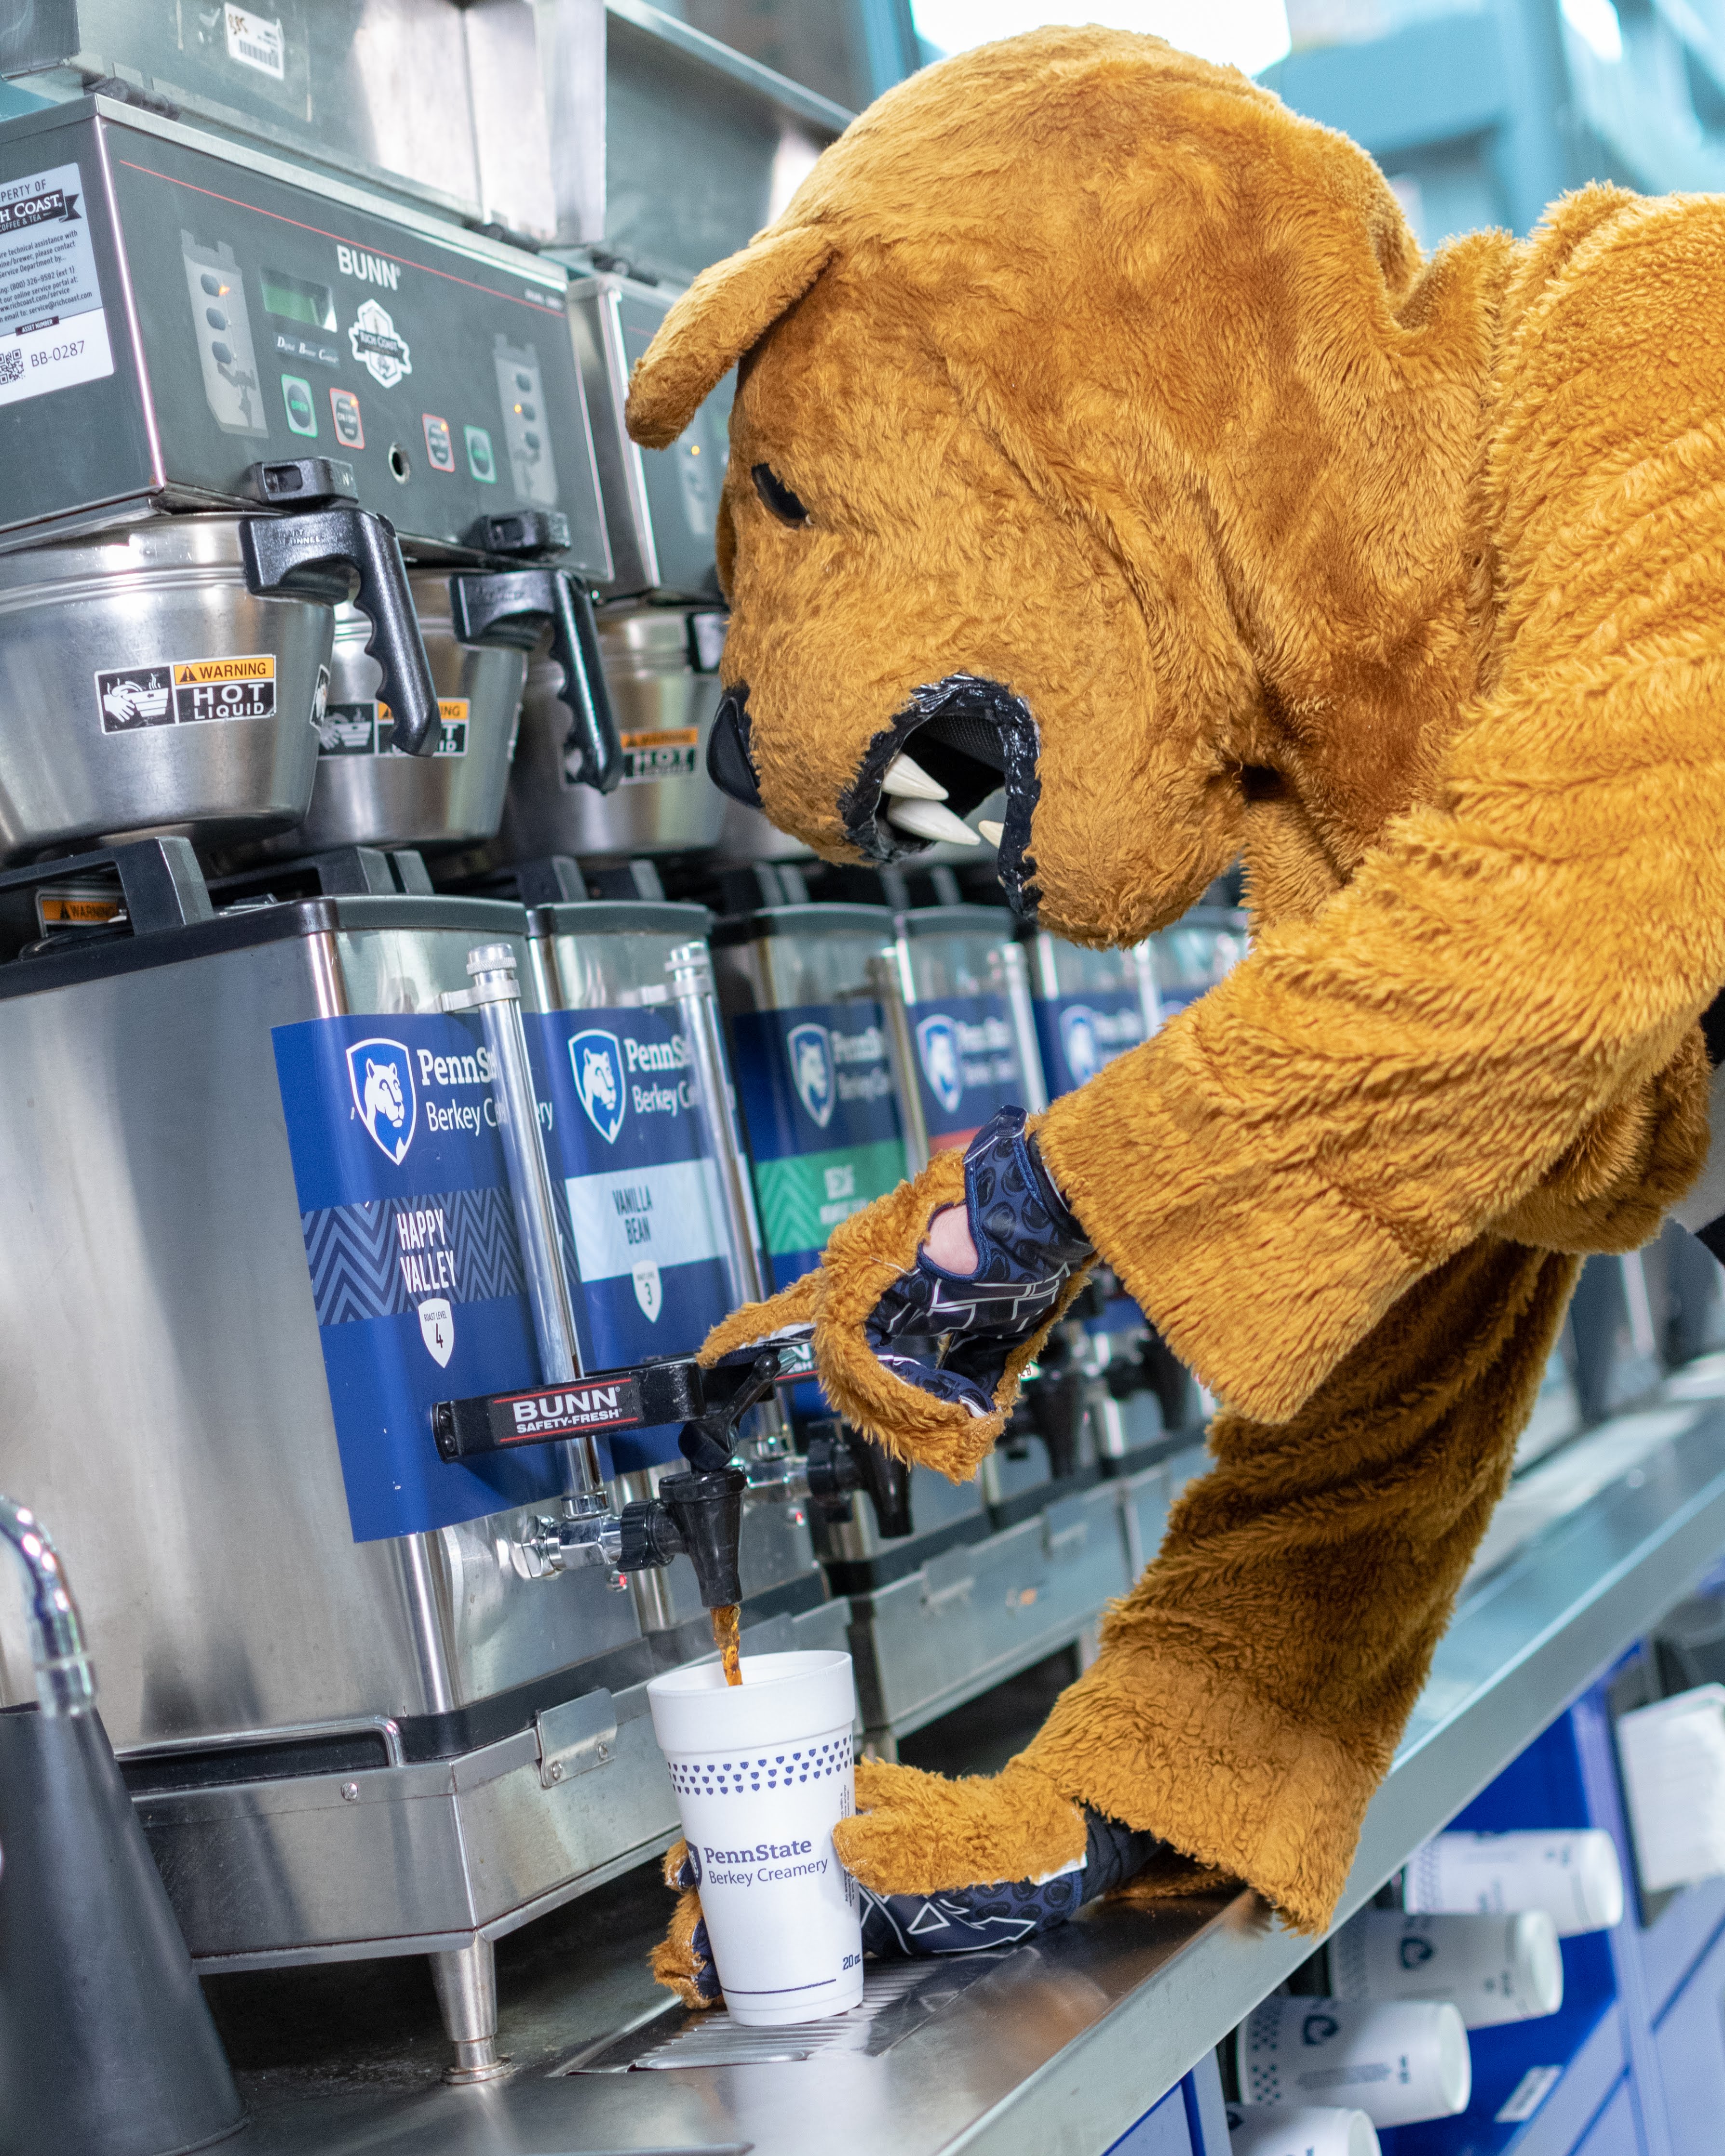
[{"x": 728, "y": 749}]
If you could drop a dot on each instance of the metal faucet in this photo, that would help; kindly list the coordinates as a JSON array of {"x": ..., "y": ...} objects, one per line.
[{"x": 65, "y": 1679}]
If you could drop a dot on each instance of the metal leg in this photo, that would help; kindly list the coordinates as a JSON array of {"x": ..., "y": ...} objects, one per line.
[
  {"x": 466, "y": 1981},
  {"x": 881, "y": 1744}
]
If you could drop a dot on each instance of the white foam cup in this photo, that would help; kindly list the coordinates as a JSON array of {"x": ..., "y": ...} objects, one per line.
[
  {"x": 1496, "y": 1969},
  {"x": 1280, "y": 2130},
  {"x": 1398, "y": 2061},
  {"x": 763, "y": 1773},
  {"x": 1572, "y": 1874}
]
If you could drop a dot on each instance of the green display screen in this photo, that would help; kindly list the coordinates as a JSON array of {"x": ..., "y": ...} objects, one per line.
[{"x": 296, "y": 300}]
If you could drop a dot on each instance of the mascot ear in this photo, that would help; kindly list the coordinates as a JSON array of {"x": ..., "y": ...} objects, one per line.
[{"x": 727, "y": 310}]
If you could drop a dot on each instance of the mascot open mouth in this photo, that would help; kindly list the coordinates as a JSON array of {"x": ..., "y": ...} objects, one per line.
[{"x": 974, "y": 737}]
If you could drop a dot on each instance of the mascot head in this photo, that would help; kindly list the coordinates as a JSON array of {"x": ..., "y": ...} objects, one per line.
[{"x": 1097, "y": 434}]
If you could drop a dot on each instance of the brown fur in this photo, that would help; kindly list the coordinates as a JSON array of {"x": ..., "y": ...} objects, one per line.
[{"x": 1108, "y": 378}]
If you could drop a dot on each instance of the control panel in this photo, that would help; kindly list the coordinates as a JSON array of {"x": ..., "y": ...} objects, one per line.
[{"x": 278, "y": 315}]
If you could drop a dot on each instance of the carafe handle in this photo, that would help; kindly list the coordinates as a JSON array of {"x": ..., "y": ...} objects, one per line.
[
  {"x": 309, "y": 553},
  {"x": 512, "y": 607}
]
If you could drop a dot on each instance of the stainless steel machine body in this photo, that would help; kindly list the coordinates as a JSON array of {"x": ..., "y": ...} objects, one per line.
[
  {"x": 144, "y": 686},
  {"x": 494, "y": 112},
  {"x": 365, "y": 792},
  {"x": 660, "y": 1215},
  {"x": 358, "y": 1716},
  {"x": 662, "y": 504},
  {"x": 993, "y": 1575},
  {"x": 182, "y": 307},
  {"x": 663, "y": 696}
]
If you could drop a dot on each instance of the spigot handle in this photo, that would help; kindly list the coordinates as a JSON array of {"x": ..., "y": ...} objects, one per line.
[
  {"x": 512, "y": 607},
  {"x": 65, "y": 1681},
  {"x": 309, "y": 553}
]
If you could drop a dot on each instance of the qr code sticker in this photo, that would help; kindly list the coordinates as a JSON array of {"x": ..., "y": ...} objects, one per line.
[{"x": 12, "y": 366}]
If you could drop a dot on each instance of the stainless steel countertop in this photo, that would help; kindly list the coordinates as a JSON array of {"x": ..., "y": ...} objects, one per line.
[{"x": 1059, "y": 2047}]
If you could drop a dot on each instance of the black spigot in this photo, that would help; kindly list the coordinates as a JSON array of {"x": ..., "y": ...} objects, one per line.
[
  {"x": 699, "y": 1517},
  {"x": 841, "y": 1460}
]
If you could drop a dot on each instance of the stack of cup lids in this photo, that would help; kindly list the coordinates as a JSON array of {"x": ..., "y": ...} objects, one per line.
[
  {"x": 1673, "y": 1755},
  {"x": 1269, "y": 2129},
  {"x": 1571, "y": 1873},
  {"x": 1494, "y": 1968},
  {"x": 1398, "y": 2061}
]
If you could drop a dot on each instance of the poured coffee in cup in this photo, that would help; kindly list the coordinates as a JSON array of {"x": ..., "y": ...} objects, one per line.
[{"x": 763, "y": 1773}]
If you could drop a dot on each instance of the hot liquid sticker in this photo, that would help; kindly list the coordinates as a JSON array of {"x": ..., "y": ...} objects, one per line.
[
  {"x": 186, "y": 692},
  {"x": 815, "y": 1085},
  {"x": 53, "y": 331},
  {"x": 645, "y": 1218},
  {"x": 416, "y": 1272}
]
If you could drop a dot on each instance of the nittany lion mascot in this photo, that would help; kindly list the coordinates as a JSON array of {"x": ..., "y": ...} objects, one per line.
[{"x": 1100, "y": 432}]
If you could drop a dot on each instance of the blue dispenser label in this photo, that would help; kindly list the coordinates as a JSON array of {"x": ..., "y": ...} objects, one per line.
[
  {"x": 822, "y": 1117},
  {"x": 1079, "y": 1034},
  {"x": 967, "y": 1065},
  {"x": 416, "y": 1271},
  {"x": 644, "y": 1217}
]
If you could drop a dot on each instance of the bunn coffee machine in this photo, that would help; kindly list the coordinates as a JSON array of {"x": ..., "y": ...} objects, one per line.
[{"x": 279, "y": 1189}]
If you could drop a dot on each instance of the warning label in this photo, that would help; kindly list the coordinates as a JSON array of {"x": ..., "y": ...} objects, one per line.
[
  {"x": 668, "y": 752},
  {"x": 365, "y": 729},
  {"x": 53, "y": 330},
  {"x": 182, "y": 691}
]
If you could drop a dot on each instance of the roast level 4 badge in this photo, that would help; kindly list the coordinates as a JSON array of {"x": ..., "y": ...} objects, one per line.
[
  {"x": 377, "y": 346},
  {"x": 437, "y": 1329}
]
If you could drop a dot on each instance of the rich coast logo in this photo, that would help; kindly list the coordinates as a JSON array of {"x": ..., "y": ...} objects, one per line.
[
  {"x": 937, "y": 1051},
  {"x": 379, "y": 1074},
  {"x": 810, "y": 1049},
  {"x": 595, "y": 1058}
]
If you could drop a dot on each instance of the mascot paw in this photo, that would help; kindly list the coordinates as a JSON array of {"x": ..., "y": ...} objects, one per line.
[
  {"x": 683, "y": 1961},
  {"x": 916, "y": 1833},
  {"x": 960, "y": 1867}
]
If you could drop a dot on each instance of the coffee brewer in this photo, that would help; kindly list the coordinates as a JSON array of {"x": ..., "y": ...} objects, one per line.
[
  {"x": 661, "y": 626},
  {"x": 286, "y": 1225}
]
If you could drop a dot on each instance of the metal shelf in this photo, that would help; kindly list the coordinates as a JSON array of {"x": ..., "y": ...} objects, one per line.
[{"x": 1061, "y": 2045}]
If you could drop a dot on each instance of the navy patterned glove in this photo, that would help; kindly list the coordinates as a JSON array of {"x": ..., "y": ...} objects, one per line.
[
  {"x": 901, "y": 1926},
  {"x": 1027, "y": 1245},
  {"x": 973, "y": 1919}
]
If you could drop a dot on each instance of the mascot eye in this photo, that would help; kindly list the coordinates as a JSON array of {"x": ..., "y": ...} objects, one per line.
[{"x": 778, "y": 497}]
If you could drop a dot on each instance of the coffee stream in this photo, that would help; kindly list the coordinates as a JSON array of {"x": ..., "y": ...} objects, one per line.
[{"x": 727, "y": 1638}]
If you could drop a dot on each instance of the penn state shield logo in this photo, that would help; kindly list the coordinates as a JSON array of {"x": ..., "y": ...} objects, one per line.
[
  {"x": 380, "y": 1074},
  {"x": 810, "y": 1049},
  {"x": 595, "y": 1058},
  {"x": 1078, "y": 1039},
  {"x": 937, "y": 1051}
]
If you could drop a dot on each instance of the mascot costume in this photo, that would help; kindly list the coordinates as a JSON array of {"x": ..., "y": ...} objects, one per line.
[{"x": 1100, "y": 431}]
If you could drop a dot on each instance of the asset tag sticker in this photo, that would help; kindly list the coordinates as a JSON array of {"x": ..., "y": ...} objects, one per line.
[
  {"x": 186, "y": 691},
  {"x": 53, "y": 332},
  {"x": 1529, "y": 2092},
  {"x": 256, "y": 42},
  {"x": 668, "y": 752}
]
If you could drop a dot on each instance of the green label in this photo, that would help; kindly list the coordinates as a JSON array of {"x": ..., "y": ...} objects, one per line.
[{"x": 804, "y": 1198}]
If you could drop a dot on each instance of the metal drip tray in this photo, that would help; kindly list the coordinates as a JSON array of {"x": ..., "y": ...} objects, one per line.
[{"x": 898, "y": 1997}]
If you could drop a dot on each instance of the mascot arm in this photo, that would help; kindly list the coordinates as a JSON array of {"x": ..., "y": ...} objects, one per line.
[{"x": 1492, "y": 1025}]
